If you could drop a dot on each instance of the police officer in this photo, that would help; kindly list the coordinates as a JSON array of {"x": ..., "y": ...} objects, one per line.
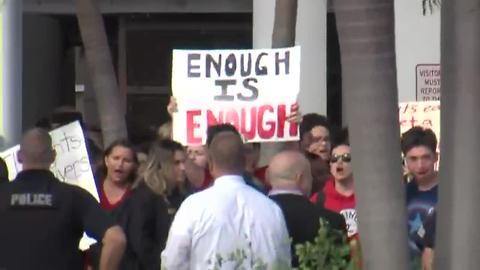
[{"x": 43, "y": 219}]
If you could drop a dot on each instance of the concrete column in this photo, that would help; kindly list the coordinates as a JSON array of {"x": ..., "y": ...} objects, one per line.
[
  {"x": 311, "y": 34},
  {"x": 11, "y": 73},
  {"x": 312, "y": 37}
]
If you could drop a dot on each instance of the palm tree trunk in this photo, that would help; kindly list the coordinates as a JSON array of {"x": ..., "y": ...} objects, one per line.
[
  {"x": 100, "y": 66},
  {"x": 285, "y": 23},
  {"x": 367, "y": 49},
  {"x": 458, "y": 237}
]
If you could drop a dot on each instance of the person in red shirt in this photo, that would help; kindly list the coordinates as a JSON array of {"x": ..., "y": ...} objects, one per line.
[
  {"x": 117, "y": 173},
  {"x": 338, "y": 192},
  {"x": 114, "y": 181},
  {"x": 315, "y": 143}
]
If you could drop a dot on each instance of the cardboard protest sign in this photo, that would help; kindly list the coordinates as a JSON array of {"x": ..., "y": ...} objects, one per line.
[
  {"x": 10, "y": 157},
  {"x": 425, "y": 114},
  {"x": 251, "y": 89},
  {"x": 71, "y": 164}
]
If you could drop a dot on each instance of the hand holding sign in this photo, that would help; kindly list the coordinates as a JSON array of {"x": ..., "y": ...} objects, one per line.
[
  {"x": 295, "y": 114},
  {"x": 172, "y": 106}
]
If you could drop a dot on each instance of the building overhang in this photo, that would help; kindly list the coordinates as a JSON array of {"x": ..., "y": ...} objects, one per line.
[{"x": 142, "y": 6}]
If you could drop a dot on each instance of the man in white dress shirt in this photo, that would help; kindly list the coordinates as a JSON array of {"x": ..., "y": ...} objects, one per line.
[{"x": 229, "y": 223}]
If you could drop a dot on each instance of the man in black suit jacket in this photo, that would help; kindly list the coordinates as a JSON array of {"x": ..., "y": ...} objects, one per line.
[{"x": 291, "y": 180}]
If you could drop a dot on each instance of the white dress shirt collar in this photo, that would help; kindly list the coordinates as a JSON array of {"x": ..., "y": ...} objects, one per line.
[
  {"x": 229, "y": 179},
  {"x": 285, "y": 191}
]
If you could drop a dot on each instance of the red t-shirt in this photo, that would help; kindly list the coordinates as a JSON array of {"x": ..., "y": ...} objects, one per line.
[
  {"x": 344, "y": 205},
  {"x": 106, "y": 204}
]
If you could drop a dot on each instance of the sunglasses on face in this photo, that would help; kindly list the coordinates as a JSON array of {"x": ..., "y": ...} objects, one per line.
[{"x": 345, "y": 158}]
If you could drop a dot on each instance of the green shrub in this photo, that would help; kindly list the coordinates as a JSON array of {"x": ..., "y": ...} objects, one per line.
[{"x": 329, "y": 251}]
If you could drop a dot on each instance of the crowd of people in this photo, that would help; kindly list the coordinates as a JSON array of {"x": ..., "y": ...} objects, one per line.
[{"x": 201, "y": 207}]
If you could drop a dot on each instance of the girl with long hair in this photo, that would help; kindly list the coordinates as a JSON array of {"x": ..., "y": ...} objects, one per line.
[{"x": 157, "y": 192}]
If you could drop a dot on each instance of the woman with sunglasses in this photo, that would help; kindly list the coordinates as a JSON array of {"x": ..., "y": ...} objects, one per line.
[{"x": 339, "y": 191}]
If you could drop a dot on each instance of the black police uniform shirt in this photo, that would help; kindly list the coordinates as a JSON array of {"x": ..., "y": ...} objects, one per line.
[{"x": 42, "y": 221}]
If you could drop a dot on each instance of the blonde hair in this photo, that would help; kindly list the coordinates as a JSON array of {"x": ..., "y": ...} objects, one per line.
[
  {"x": 165, "y": 131},
  {"x": 159, "y": 167}
]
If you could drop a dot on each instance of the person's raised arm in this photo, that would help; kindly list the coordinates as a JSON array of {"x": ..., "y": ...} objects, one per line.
[
  {"x": 113, "y": 247},
  {"x": 101, "y": 226}
]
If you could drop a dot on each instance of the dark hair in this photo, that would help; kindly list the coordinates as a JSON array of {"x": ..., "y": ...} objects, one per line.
[
  {"x": 418, "y": 136},
  {"x": 61, "y": 118},
  {"x": 311, "y": 120},
  {"x": 102, "y": 170},
  {"x": 3, "y": 171},
  {"x": 169, "y": 145},
  {"x": 212, "y": 131},
  {"x": 44, "y": 123},
  {"x": 227, "y": 153},
  {"x": 340, "y": 138},
  {"x": 311, "y": 156}
]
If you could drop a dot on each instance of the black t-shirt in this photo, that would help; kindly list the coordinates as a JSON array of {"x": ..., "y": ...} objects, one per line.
[
  {"x": 426, "y": 234},
  {"x": 430, "y": 231},
  {"x": 42, "y": 221}
]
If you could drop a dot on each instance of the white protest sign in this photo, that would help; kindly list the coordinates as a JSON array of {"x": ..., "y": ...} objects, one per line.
[
  {"x": 10, "y": 157},
  {"x": 251, "y": 89},
  {"x": 428, "y": 82},
  {"x": 71, "y": 163}
]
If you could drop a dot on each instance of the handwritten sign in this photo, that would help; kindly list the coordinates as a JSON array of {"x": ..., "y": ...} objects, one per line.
[
  {"x": 71, "y": 164},
  {"x": 251, "y": 89},
  {"x": 425, "y": 114},
  {"x": 428, "y": 82},
  {"x": 10, "y": 157}
]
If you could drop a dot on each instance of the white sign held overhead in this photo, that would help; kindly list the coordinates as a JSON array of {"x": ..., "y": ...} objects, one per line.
[{"x": 253, "y": 90}]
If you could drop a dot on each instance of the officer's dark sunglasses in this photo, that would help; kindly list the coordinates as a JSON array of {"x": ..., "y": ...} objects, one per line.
[{"x": 345, "y": 158}]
